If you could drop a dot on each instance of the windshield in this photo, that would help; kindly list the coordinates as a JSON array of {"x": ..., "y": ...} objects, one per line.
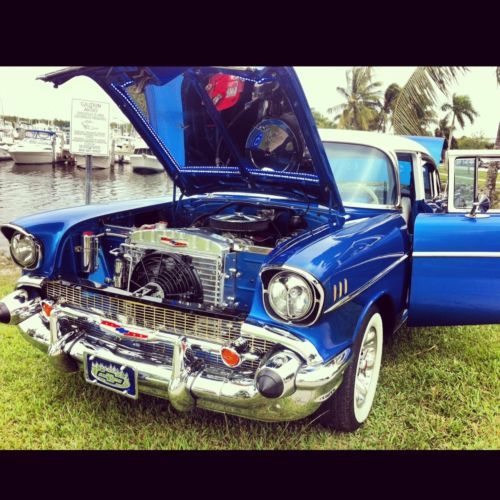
[{"x": 364, "y": 174}]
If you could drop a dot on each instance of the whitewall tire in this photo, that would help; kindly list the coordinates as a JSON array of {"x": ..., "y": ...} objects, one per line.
[{"x": 351, "y": 404}]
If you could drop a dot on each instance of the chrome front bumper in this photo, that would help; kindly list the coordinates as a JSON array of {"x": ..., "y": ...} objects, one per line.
[{"x": 186, "y": 387}]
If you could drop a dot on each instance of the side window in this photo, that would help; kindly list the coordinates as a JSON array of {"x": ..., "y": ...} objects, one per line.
[
  {"x": 487, "y": 180},
  {"x": 405, "y": 172},
  {"x": 464, "y": 177},
  {"x": 427, "y": 170}
]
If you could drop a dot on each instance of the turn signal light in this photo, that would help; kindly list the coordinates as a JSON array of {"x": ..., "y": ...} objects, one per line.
[
  {"x": 230, "y": 357},
  {"x": 47, "y": 309}
]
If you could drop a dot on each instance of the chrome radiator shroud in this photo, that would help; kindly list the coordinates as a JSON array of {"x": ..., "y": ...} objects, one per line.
[
  {"x": 206, "y": 250},
  {"x": 138, "y": 313}
]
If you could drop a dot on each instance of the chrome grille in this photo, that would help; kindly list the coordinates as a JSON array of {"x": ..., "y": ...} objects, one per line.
[
  {"x": 135, "y": 313},
  {"x": 157, "y": 352},
  {"x": 207, "y": 252},
  {"x": 209, "y": 271}
]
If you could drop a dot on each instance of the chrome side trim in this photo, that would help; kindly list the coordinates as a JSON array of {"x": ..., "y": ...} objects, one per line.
[
  {"x": 457, "y": 254},
  {"x": 367, "y": 285}
]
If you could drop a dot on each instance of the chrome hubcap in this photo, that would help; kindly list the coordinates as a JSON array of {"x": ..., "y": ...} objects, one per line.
[{"x": 366, "y": 365}]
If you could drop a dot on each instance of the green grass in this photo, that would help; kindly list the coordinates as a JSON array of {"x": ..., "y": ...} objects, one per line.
[{"x": 439, "y": 389}]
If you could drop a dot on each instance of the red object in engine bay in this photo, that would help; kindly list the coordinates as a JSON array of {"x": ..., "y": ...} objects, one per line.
[{"x": 224, "y": 90}]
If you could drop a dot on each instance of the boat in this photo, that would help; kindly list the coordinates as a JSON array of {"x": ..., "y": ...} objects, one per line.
[
  {"x": 6, "y": 141},
  {"x": 37, "y": 147},
  {"x": 143, "y": 161},
  {"x": 98, "y": 162},
  {"x": 124, "y": 146},
  {"x": 4, "y": 153}
]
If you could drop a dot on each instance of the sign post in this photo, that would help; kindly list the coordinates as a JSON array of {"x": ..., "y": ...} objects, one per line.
[{"x": 89, "y": 135}]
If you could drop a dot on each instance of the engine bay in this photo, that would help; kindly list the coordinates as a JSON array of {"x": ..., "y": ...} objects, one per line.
[{"x": 211, "y": 263}]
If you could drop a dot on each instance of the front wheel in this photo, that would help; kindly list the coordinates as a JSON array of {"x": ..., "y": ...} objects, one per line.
[{"x": 350, "y": 405}]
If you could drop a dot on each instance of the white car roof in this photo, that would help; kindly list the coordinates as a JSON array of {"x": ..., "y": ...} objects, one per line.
[
  {"x": 490, "y": 153},
  {"x": 387, "y": 142}
]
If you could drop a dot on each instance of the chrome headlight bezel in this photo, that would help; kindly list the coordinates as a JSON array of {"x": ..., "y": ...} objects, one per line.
[
  {"x": 33, "y": 262},
  {"x": 272, "y": 275}
]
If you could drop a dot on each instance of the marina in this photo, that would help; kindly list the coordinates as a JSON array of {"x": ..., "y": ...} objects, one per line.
[{"x": 25, "y": 189}]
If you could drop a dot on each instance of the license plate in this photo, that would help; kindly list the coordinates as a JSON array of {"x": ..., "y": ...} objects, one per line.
[{"x": 112, "y": 376}]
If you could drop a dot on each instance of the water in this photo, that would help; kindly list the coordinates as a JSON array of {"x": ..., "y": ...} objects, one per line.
[{"x": 28, "y": 189}]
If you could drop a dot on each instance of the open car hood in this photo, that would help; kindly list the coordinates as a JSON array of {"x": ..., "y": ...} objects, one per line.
[{"x": 223, "y": 129}]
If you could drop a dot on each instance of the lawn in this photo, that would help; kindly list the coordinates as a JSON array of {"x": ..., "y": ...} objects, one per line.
[{"x": 439, "y": 389}]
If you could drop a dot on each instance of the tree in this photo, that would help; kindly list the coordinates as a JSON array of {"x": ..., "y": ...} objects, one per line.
[
  {"x": 473, "y": 142},
  {"x": 443, "y": 130},
  {"x": 419, "y": 94},
  {"x": 361, "y": 94},
  {"x": 493, "y": 168},
  {"x": 321, "y": 120},
  {"x": 390, "y": 96},
  {"x": 459, "y": 109}
]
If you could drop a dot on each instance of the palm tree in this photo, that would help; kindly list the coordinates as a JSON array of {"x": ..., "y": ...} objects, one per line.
[
  {"x": 443, "y": 130},
  {"x": 460, "y": 108},
  {"x": 362, "y": 100},
  {"x": 425, "y": 116},
  {"x": 421, "y": 91},
  {"x": 390, "y": 96},
  {"x": 321, "y": 120}
]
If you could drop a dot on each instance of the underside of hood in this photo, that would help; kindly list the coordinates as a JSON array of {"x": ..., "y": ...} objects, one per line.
[{"x": 223, "y": 129}]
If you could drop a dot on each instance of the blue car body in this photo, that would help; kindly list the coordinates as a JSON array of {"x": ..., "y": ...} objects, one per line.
[{"x": 360, "y": 256}]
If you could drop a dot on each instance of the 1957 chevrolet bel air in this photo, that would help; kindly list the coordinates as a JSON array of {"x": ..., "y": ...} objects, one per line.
[{"x": 264, "y": 287}]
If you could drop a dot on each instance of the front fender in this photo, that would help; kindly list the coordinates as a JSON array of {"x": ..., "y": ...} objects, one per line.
[
  {"x": 53, "y": 228},
  {"x": 356, "y": 264}
]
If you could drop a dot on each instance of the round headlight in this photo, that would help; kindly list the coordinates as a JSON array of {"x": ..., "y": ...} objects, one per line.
[
  {"x": 24, "y": 250},
  {"x": 290, "y": 296}
]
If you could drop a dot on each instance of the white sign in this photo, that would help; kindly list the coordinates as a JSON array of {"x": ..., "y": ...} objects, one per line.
[{"x": 89, "y": 128}]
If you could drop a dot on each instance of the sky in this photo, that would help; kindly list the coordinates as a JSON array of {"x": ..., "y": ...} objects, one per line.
[{"x": 22, "y": 94}]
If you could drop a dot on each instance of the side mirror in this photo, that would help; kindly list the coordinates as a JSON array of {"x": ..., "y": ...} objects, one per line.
[{"x": 483, "y": 204}]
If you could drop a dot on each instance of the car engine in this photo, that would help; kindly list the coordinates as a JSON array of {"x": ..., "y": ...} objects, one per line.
[{"x": 213, "y": 264}]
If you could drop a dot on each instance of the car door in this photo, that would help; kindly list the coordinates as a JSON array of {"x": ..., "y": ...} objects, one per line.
[{"x": 455, "y": 272}]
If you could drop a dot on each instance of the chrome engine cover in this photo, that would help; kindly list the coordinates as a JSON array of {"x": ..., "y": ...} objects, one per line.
[{"x": 207, "y": 250}]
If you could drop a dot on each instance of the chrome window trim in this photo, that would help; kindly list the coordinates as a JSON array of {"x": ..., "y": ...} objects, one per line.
[
  {"x": 367, "y": 285},
  {"x": 310, "y": 279},
  {"x": 423, "y": 158},
  {"x": 457, "y": 254}
]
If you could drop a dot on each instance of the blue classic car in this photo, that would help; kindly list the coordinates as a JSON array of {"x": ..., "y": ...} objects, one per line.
[{"x": 264, "y": 287}]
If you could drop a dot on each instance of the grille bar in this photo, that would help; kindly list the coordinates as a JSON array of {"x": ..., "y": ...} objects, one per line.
[
  {"x": 135, "y": 313},
  {"x": 158, "y": 351}
]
